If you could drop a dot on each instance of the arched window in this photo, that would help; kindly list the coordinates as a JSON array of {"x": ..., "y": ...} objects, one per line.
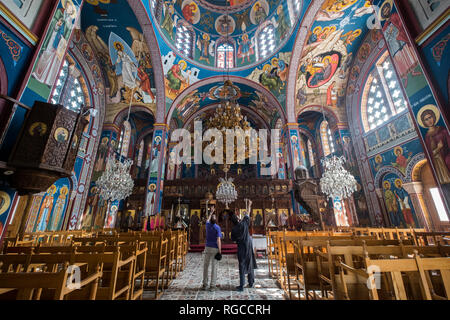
[
  {"x": 384, "y": 97},
  {"x": 184, "y": 40},
  {"x": 68, "y": 90},
  {"x": 327, "y": 139},
  {"x": 266, "y": 41},
  {"x": 225, "y": 56},
  {"x": 312, "y": 160},
  {"x": 124, "y": 140}
]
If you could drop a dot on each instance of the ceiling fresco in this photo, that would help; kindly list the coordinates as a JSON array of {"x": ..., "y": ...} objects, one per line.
[
  {"x": 334, "y": 38},
  {"x": 214, "y": 93},
  {"x": 226, "y": 4},
  {"x": 208, "y": 27},
  {"x": 119, "y": 45}
]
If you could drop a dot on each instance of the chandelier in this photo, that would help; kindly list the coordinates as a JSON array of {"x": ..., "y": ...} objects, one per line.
[
  {"x": 116, "y": 182},
  {"x": 337, "y": 182},
  {"x": 226, "y": 191},
  {"x": 228, "y": 116}
]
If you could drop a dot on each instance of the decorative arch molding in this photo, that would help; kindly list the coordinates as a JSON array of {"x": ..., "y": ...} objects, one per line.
[
  {"x": 149, "y": 35},
  {"x": 215, "y": 105},
  {"x": 143, "y": 135},
  {"x": 410, "y": 168},
  {"x": 386, "y": 170},
  {"x": 332, "y": 117},
  {"x": 417, "y": 169},
  {"x": 124, "y": 113},
  {"x": 219, "y": 79},
  {"x": 81, "y": 188},
  {"x": 297, "y": 52}
]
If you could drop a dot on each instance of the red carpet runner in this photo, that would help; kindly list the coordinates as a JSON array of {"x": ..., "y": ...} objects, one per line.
[{"x": 226, "y": 248}]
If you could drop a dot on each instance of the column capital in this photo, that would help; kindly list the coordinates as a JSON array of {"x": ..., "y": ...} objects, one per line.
[
  {"x": 291, "y": 125},
  {"x": 161, "y": 125},
  {"x": 413, "y": 187}
]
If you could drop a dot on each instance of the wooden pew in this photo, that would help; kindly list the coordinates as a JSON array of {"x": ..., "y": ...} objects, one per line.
[
  {"x": 55, "y": 285},
  {"x": 394, "y": 271},
  {"x": 156, "y": 263}
]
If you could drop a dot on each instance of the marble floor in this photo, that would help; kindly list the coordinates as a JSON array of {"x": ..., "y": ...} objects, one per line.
[{"x": 188, "y": 284}]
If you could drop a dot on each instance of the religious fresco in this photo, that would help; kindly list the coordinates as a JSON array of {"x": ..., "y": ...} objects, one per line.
[
  {"x": 46, "y": 68},
  {"x": 273, "y": 75},
  {"x": 15, "y": 56},
  {"x": 398, "y": 159},
  {"x": 338, "y": 31},
  {"x": 216, "y": 92},
  {"x": 398, "y": 203},
  {"x": 48, "y": 211},
  {"x": 436, "y": 52},
  {"x": 432, "y": 127},
  {"x": 118, "y": 44},
  {"x": 207, "y": 25}
]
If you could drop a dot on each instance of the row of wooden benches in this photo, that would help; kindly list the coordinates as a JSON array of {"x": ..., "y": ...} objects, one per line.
[
  {"x": 341, "y": 266},
  {"x": 100, "y": 267}
]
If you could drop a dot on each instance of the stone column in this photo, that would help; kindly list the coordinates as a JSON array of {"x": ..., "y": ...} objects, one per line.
[
  {"x": 154, "y": 191},
  {"x": 295, "y": 155},
  {"x": 415, "y": 191}
]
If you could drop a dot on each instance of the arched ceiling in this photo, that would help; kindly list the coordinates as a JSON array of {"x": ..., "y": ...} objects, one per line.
[
  {"x": 215, "y": 92},
  {"x": 335, "y": 30}
]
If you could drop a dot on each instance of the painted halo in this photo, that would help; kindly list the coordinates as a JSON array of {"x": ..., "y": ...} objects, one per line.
[
  {"x": 219, "y": 28},
  {"x": 388, "y": 4},
  {"x": 386, "y": 185},
  {"x": 431, "y": 107},
  {"x": 40, "y": 127},
  {"x": 5, "y": 202},
  {"x": 399, "y": 183},
  {"x": 61, "y": 135},
  {"x": 398, "y": 149}
]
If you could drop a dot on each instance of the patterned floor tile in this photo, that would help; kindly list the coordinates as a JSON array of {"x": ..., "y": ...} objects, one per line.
[{"x": 188, "y": 285}]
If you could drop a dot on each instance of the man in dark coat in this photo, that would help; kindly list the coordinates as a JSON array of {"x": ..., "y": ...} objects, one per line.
[{"x": 246, "y": 256}]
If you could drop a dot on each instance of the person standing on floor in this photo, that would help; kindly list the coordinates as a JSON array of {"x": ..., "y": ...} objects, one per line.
[
  {"x": 246, "y": 256},
  {"x": 213, "y": 247}
]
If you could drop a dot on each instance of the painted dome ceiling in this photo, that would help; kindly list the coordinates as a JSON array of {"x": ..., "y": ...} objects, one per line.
[{"x": 213, "y": 35}]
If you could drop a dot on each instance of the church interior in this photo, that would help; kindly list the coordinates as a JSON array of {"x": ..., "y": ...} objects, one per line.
[{"x": 345, "y": 182}]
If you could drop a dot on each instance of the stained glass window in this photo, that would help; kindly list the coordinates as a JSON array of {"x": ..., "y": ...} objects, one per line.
[
  {"x": 68, "y": 90},
  {"x": 225, "y": 56},
  {"x": 266, "y": 41},
  {"x": 184, "y": 40},
  {"x": 385, "y": 98},
  {"x": 327, "y": 139}
]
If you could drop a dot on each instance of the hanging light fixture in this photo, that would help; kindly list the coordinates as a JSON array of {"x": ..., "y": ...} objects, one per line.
[
  {"x": 226, "y": 190},
  {"x": 228, "y": 116},
  {"x": 336, "y": 181},
  {"x": 116, "y": 183}
]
